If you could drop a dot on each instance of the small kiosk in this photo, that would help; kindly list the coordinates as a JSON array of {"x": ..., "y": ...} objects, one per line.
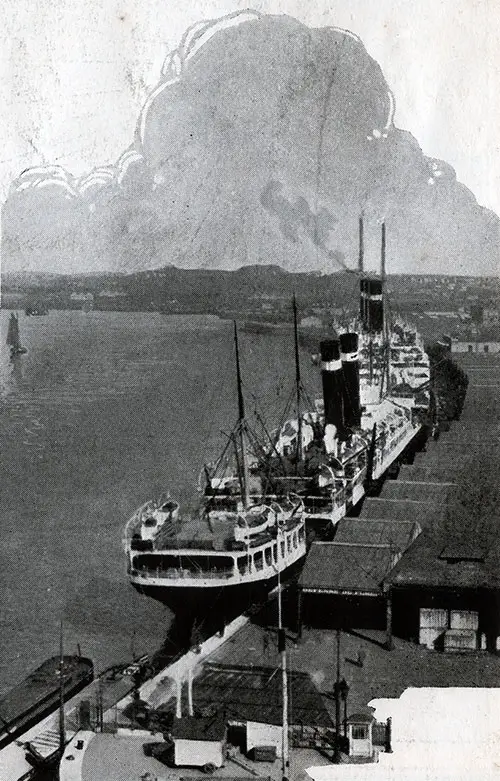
[{"x": 359, "y": 733}]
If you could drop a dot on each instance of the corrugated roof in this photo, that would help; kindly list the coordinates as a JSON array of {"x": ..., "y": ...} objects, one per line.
[
  {"x": 346, "y": 568},
  {"x": 399, "y": 534},
  {"x": 435, "y": 474},
  {"x": 444, "y": 459},
  {"x": 459, "y": 551},
  {"x": 255, "y": 694},
  {"x": 422, "y": 565},
  {"x": 402, "y": 509},
  {"x": 421, "y": 492}
]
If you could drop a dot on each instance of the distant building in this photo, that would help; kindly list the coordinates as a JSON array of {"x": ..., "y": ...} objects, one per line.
[
  {"x": 476, "y": 313},
  {"x": 82, "y": 298},
  {"x": 112, "y": 294},
  {"x": 482, "y": 341}
]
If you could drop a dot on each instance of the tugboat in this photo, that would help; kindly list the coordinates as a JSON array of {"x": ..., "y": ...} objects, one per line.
[
  {"x": 13, "y": 338},
  {"x": 227, "y": 553}
]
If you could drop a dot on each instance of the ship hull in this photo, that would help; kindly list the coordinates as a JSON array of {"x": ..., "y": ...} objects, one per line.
[{"x": 211, "y": 608}]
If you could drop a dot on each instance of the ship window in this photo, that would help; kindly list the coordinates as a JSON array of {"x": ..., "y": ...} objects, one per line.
[
  {"x": 485, "y": 348},
  {"x": 275, "y": 552},
  {"x": 268, "y": 556},
  {"x": 282, "y": 550},
  {"x": 242, "y": 562},
  {"x": 295, "y": 539},
  {"x": 289, "y": 543},
  {"x": 469, "y": 348},
  {"x": 258, "y": 560},
  {"x": 301, "y": 533}
]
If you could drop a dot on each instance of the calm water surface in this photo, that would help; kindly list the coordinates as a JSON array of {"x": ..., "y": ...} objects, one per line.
[{"x": 105, "y": 411}]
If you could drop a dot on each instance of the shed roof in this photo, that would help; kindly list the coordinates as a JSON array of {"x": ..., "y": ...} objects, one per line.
[
  {"x": 402, "y": 509},
  {"x": 344, "y": 568},
  {"x": 399, "y": 534},
  {"x": 255, "y": 694},
  {"x": 210, "y": 728},
  {"x": 423, "y": 565},
  {"x": 435, "y": 474},
  {"x": 360, "y": 718},
  {"x": 417, "y": 491}
]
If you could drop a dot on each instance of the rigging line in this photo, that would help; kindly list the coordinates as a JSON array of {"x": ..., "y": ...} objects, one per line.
[
  {"x": 216, "y": 390},
  {"x": 258, "y": 405}
]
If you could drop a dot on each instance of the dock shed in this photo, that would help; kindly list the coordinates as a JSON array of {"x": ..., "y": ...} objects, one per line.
[
  {"x": 415, "y": 491},
  {"x": 252, "y": 701},
  {"x": 341, "y": 585},
  {"x": 403, "y": 509},
  {"x": 445, "y": 594},
  {"x": 199, "y": 741},
  {"x": 399, "y": 534}
]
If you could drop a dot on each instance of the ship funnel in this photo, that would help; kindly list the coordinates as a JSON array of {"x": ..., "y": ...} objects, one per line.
[
  {"x": 331, "y": 375},
  {"x": 371, "y": 306},
  {"x": 350, "y": 369}
]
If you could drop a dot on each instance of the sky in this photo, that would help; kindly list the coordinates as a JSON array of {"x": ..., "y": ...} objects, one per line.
[{"x": 74, "y": 75}]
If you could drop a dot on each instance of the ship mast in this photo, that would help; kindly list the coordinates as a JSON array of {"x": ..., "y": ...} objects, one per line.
[
  {"x": 241, "y": 426},
  {"x": 62, "y": 728},
  {"x": 298, "y": 384},
  {"x": 285, "y": 760},
  {"x": 361, "y": 260},
  {"x": 385, "y": 327}
]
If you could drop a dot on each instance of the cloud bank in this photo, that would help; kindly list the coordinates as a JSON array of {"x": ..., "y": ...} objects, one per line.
[{"x": 262, "y": 143}]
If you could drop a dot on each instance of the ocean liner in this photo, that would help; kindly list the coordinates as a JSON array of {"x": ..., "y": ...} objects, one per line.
[
  {"x": 375, "y": 406},
  {"x": 250, "y": 526},
  {"x": 227, "y": 552}
]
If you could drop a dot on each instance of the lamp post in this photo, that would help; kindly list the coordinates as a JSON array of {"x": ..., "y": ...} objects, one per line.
[
  {"x": 344, "y": 693},
  {"x": 336, "y": 692}
]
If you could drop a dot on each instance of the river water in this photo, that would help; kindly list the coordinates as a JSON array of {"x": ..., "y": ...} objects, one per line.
[{"x": 103, "y": 412}]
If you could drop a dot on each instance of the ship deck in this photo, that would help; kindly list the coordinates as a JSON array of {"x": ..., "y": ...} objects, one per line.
[{"x": 197, "y": 529}]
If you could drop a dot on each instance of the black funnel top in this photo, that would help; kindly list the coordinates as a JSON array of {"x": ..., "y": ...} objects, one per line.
[{"x": 330, "y": 350}]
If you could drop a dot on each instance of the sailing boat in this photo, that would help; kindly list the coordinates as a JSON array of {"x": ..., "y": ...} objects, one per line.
[{"x": 13, "y": 339}]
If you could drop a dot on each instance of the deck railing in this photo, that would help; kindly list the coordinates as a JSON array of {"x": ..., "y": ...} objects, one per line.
[{"x": 175, "y": 573}]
